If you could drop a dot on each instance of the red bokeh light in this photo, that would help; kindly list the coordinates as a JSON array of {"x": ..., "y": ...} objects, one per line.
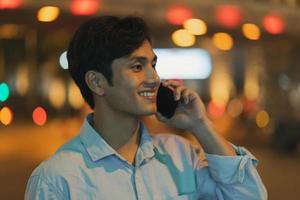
[
  {"x": 177, "y": 14},
  {"x": 10, "y": 4},
  {"x": 39, "y": 116},
  {"x": 228, "y": 16},
  {"x": 249, "y": 106},
  {"x": 273, "y": 24},
  {"x": 215, "y": 110},
  {"x": 84, "y": 7}
]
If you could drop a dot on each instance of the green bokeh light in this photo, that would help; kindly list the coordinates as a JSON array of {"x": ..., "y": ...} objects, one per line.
[{"x": 4, "y": 91}]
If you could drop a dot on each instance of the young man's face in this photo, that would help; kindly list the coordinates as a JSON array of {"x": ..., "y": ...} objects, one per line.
[{"x": 135, "y": 82}]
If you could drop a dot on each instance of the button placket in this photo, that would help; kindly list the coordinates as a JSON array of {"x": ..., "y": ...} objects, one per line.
[{"x": 139, "y": 184}]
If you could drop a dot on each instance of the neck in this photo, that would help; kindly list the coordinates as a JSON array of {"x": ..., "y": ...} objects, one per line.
[{"x": 119, "y": 130}]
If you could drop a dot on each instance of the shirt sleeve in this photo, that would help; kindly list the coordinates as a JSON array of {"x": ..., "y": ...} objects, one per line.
[
  {"x": 39, "y": 189},
  {"x": 230, "y": 177}
]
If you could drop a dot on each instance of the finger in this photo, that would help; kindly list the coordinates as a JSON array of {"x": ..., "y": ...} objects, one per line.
[
  {"x": 166, "y": 84},
  {"x": 193, "y": 96},
  {"x": 178, "y": 92},
  {"x": 186, "y": 95},
  {"x": 173, "y": 83}
]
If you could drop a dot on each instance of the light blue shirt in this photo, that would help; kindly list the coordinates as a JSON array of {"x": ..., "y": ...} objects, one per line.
[{"x": 166, "y": 167}]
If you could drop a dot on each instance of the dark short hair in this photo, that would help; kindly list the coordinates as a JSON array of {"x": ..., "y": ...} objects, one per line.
[{"x": 98, "y": 42}]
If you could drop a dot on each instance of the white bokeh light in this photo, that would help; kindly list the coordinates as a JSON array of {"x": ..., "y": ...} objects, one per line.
[
  {"x": 176, "y": 63},
  {"x": 63, "y": 60}
]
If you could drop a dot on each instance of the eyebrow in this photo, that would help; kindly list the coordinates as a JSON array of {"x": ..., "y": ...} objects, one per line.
[{"x": 142, "y": 58}]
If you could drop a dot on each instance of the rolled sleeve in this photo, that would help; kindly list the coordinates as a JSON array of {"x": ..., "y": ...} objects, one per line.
[
  {"x": 230, "y": 169},
  {"x": 234, "y": 177}
]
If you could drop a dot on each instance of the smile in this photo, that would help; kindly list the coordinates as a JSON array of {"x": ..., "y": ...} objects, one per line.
[{"x": 148, "y": 95}]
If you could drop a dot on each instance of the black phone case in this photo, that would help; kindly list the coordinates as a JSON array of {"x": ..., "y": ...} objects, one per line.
[{"x": 166, "y": 105}]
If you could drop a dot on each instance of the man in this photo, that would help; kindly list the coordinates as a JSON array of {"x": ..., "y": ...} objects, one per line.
[{"x": 114, "y": 157}]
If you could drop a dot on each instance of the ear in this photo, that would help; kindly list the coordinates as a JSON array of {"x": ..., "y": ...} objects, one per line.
[{"x": 96, "y": 82}]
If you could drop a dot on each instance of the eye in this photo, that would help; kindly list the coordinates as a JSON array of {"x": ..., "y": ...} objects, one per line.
[
  {"x": 137, "y": 67},
  {"x": 154, "y": 65}
]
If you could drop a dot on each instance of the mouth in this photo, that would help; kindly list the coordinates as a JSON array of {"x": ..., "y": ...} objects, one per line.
[{"x": 149, "y": 95}]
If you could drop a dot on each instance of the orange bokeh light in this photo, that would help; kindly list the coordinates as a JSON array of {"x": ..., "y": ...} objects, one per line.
[
  {"x": 84, "y": 7},
  {"x": 39, "y": 116},
  {"x": 177, "y": 14},
  {"x": 6, "y": 115}
]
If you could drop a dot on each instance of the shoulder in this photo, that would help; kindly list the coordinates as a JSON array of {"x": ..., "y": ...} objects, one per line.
[
  {"x": 52, "y": 177},
  {"x": 66, "y": 160}
]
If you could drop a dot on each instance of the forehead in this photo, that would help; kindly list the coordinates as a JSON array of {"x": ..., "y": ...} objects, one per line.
[
  {"x": 145, "y": 50},
  {"x": 144, "y": 53}
]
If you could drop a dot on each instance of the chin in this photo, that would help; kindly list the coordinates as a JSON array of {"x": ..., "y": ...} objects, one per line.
[{"x": 149, "y": 112}]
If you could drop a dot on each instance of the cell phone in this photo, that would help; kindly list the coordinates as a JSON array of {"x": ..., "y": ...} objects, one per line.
[{"x": 166, "y": 105}]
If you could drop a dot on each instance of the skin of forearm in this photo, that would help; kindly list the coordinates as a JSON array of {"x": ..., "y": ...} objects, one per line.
[{"x": 210, "y": 141}]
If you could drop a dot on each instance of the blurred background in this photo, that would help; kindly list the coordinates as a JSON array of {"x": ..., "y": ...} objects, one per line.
[{"x": 242, "y": 57}]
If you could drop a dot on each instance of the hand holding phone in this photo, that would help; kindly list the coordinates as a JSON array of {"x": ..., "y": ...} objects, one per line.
[{"x": 166, "y": 105}]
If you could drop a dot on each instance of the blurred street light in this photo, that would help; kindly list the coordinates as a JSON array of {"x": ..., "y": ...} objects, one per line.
[
  {"x": 48, "y": 13},
  {"x": 195, "y": 26}
]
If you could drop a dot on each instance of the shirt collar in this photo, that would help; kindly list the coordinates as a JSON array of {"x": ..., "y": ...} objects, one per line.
[
  {"x": 146, "y": 148},
  {"x": 98, "y": 148}
]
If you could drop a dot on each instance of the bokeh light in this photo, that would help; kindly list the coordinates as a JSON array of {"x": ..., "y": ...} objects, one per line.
[
  {"x": 22, "y": 82},
  {"x": 223, "y": 41},
  {"x": 183, "y": 38},
  {"x": 10, "y": 4},
  {"x": 39, "y": 116},
  {"x": 84, "y": 7},
  {"x": 63, "y": 60},
  {"x": 219, "y": 87},
  {"x": 228, "y": 16},
  {"x": 284, "y": 81},
  {"x": 251, "y": 31},
  {"x": 215, "y": 110},
  {"x": 251, "y": 89},
  {"x": 249, "y": 106},
  {"x": 262, "y": 119},
  {"x": 48, "y": 13},
  {"x": 195, "y": 26},
  {"x": 177, "y": 14},
  {"x": 57, "y": 93},
  {"x": 235, "y": 107},
  {"x": 197, "y": 63},
  {"x": 4, "y": 91},
  {"x": 74, "y": 96},
  {"x": 273, "y": 24},
  {"x": 6, "y": 116}
]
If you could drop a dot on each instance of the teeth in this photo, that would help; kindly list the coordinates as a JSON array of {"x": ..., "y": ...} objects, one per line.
[{"x": 147, "y": 94}]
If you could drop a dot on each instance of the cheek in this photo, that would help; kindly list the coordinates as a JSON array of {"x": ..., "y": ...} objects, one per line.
[
  {"x": 125, "y": 96},
  {"x": 127, "y": 87}
]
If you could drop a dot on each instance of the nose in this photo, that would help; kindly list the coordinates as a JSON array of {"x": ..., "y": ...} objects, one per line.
[{"x": 152, "y": 79}]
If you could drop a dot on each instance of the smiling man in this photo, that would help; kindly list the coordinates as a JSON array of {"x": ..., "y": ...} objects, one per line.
[{"x": 112, "y": 61}]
